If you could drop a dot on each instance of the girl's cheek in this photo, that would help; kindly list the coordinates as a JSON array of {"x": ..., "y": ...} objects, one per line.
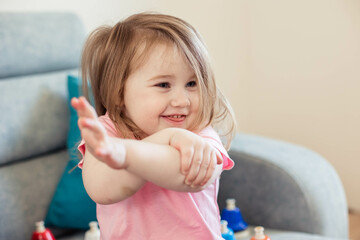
[{"x": 196, "y": 103}]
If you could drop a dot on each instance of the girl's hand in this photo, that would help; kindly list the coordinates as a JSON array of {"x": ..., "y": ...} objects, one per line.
[
  {"x": 198, "y": 158},
  {"x": 97, "y": 141}
]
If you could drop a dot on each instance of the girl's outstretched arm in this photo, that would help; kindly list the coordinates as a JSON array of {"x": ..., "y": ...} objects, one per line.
[
  {"x": 104, "y": 179},
  {"x": 116, "y": 168},
  {"x": 96, "y": 138}
]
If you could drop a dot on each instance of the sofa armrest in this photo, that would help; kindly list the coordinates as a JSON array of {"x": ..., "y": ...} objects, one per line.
[{"x": 284, "y": 186}]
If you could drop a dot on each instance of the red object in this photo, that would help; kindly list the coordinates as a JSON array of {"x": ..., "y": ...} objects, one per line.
[
  {"x": 265, "y": 238},
  {"x": 259, "y": 234},
  {"x": 45, "y": 235}
]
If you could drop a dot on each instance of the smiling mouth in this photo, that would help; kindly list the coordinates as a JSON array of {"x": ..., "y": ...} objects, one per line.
[{"x": 175, "y": 118}]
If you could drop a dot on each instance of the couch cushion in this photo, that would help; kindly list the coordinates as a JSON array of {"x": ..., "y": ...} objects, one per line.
[
  {"x": 282, "y": 185},
  {"x": 34, "y": 43},
  {"x": 26, "y": 189},
  {"x": 34, "y": 115}
]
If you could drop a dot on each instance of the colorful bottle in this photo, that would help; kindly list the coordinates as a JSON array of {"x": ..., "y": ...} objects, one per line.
[
  {"x": 42, "y": 233},
  {"x": 259, "y": 234},
  {"x": 234, "y": 218},
  {"x": 226, "y": 233},
  {"x": 93, "y": 233}
]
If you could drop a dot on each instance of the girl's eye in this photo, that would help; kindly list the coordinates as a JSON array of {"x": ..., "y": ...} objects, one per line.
[
  {"x": 163, "y": 85},
  {"x": 191, "y": 84}
]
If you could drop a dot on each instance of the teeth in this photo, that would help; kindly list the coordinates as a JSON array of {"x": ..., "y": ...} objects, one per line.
[{"x": 176, "y": 116}]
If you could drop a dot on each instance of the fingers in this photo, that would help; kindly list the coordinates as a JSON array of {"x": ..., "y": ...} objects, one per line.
[
  {"x": 210, "y": 169},
  {"x": 195, "y": 167},
  {"x": 95, "y": 135},
  {"x": 186, "y": 158},
  {"x": 92, "y": 131},
  {"x": 203, "y": 166},
  {"x": 93, "y": 125},
  {"x": 91, "y": 141},
  {"x": 95, "y": 132},
  {"x": 83, "y": 107}
]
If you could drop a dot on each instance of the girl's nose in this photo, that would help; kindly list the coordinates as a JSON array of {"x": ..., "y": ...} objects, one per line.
[{"x": 180, "y": 99}]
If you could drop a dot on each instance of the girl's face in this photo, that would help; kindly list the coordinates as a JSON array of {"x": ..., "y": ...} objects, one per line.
[{"x": 163, "y": 92}]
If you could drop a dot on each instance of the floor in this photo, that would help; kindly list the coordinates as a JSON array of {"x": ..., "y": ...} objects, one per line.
[{"x": 354, "y": 223}]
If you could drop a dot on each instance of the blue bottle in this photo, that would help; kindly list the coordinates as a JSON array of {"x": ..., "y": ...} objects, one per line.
[
  {"x": 233, "y": 216},
  {"x": 226, "y": 233}
]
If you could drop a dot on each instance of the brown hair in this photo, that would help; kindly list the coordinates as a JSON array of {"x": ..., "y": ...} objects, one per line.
[{"x": 111, "y": 53}]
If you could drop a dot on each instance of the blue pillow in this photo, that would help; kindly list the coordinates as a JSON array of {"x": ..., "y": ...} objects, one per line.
[{"x": 71, "y": 207}]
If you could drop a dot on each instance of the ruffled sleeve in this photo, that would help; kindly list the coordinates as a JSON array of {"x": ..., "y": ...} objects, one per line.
[{"x": 213, "y": 138}]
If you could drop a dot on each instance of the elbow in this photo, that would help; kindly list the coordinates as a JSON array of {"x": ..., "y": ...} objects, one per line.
[
  {"x": 109, "y": 199},
  {"x": 103, "y": 197},
  {"x": 99, "y": 197},
  {"x": 106, "y": 201},
  {"x": 102, "y": 200}
]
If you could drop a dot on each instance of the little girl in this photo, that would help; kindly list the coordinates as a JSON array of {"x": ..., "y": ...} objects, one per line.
[{"x": 152, "y": 160}]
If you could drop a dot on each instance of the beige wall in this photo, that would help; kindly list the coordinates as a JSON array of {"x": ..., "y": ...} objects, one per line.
[{"x": 291, "y": 69}]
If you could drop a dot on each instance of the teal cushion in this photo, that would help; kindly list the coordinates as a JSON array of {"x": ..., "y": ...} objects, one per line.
[{"x": 71, "y": 207}]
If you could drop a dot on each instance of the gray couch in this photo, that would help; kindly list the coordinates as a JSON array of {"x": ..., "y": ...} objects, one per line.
[{"x": 276, "y": 184}]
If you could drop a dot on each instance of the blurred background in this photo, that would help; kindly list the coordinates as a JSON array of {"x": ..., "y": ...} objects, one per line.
[{"x": 291, "y": 69}]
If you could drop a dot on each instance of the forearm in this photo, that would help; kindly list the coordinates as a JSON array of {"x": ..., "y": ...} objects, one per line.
[
  {"x": 151, "y": 159},
  {"x": 154, "y": 160},
  {"x": 106, "y": 185},
  {"x": 156, "y": 163}
]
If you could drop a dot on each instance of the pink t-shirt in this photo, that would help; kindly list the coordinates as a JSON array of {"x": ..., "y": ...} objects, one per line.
[{"x": 154, "y": 213}]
